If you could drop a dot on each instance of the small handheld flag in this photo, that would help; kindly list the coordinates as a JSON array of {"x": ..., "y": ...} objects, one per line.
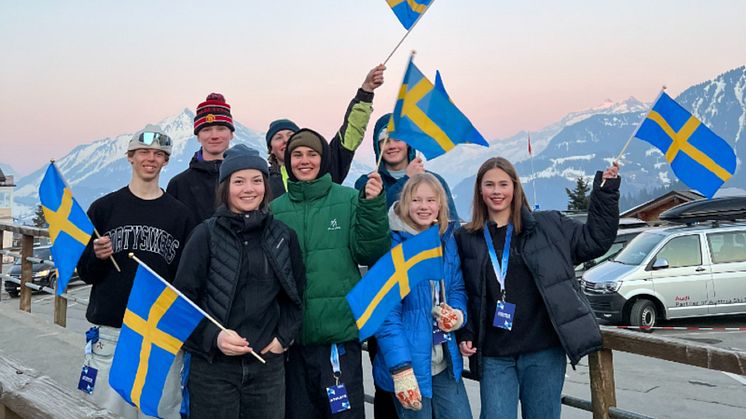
[
  {"x": 425, "y": 117},
  {"x": 698, "y": 156},
  {"x": 408, "y": 11},
  {"x": 70, "y": 228},
  {"x": 406, "y": 265},
  {"x": 156, "y": 323}
]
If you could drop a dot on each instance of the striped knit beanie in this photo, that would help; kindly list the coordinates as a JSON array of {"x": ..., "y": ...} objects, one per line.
[{"x": 213, "y": 111}]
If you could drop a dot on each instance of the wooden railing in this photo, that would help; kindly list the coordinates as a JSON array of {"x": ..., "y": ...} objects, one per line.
[{"x": 26, "y": 285}]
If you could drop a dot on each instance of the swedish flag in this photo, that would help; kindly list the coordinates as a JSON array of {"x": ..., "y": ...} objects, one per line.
[
  {"x": 426, "y": 118},
  {"x": 407, "y": 264},
  {"x": 408, "y": 11},
  {"x": 69, "y": 226},
  {"x": 701, "y": 159},
  {"x": 156, "y": 324}
]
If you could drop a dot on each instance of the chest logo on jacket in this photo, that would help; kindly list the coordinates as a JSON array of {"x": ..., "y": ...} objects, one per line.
[
  {"x": 333, "y": 225},
  {"x": 145, "y": 238}
]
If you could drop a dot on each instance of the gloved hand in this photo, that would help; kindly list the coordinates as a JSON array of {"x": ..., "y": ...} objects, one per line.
[
  {"x": 448, "y": 318},
  {"x": 407, "y": 390}
]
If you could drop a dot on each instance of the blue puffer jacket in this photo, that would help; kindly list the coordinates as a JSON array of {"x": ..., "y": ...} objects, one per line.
[{"x": 406, "y": 336}]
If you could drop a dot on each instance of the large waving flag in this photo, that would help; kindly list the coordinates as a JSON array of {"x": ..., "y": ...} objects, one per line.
[
  {"x": 426, "y": 118},
  {"x": 407, "y": 264},
  {"x": 69, "y": 226},
  {"x": 408, "y": 11},
  {"x": 156, "y": 323},
  {"x": 701, "y": 159}
]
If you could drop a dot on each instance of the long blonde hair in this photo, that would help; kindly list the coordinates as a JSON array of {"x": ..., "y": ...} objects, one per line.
[
  {"x": 479, "y": 212},
  {"x": 405, "y": 200}
]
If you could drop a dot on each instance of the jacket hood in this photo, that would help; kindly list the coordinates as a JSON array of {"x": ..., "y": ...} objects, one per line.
[
  {"x": 197, "y": 163},
  {"x": 380, "y": 127},
  {"x": 396, "y": 223},
  {"x": 325, "y": 166}
]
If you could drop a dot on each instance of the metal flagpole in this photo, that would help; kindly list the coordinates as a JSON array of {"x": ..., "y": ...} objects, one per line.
[
  {"x": 196, "y": 307},
  {"x": 533, "y": 172},
  {"x": 408, "y": 31},
  {"x": 386, "y": 140},
  {"x": 644, "y": 117}
]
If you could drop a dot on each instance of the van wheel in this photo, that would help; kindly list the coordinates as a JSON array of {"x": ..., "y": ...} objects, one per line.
[{"x": 642, "y": 313}]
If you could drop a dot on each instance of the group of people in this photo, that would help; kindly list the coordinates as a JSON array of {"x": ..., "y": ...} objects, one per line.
[{"x": 270, "y": 249}]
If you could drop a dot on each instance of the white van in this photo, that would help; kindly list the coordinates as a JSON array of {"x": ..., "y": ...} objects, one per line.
[{"x": 672, "y": 272}]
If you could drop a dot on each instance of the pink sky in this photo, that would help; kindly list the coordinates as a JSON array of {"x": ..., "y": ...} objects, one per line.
[{"x": 72, "y": 74}]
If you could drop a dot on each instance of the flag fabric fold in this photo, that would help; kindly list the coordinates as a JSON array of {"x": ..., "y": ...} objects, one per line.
[
  {"x": 156, "y": 323},
  {"x": 406, "y": 265},
  {"x": 426, "y": 118},
  {"x": 698, "y": 157},
  {"x": 408, "y": 11},
  {"x": 70, "y": 228}
]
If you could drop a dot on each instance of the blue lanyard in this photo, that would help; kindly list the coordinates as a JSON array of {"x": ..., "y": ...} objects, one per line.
[
  {"x": 501, "y": 270},
  {"x": 334, "y": 359}
]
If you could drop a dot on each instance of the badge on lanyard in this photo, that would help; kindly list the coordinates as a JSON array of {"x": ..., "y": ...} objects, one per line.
[
  {"x": 337, "y": 394},
  {"x": 439, "y": 336},
  {"x": 504, "y": 311},
  {"x": 87, "y": 379},
  {"x": 504, "y": 315}
]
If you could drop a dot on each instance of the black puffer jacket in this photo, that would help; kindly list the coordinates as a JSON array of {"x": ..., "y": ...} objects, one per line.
[
  {"x": 209, "y": 273},
  {"x": 551, "y": 245},
  {"x": 195, "y": 187}
]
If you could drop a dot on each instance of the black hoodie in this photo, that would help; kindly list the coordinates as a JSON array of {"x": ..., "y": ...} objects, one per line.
[{"x": 195, "y": 187}]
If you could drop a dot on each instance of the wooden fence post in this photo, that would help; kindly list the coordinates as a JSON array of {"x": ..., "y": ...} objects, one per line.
[
  {"x": 27, "y": 250},
  {"x": 60, "y": 309},
  {"x": 603, "y": 394}
]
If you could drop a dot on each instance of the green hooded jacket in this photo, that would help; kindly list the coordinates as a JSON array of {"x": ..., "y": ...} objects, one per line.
[{"x": 338, "y": 230}]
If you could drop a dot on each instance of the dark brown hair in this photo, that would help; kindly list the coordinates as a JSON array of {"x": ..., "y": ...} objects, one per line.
[
  {"x": 479, "y": 213},
  {"x": 222, "y": 195}
]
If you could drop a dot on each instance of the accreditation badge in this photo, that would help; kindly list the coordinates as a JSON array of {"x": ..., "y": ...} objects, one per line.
[
  {"x": 338, "y": 400},
  {"x": 504, "y": 315}
]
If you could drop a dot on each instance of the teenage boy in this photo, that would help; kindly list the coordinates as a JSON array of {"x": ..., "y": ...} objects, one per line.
[
  {"x": 398, "y": 164},
  {"x": 196, "y": 186},
  {"x": 143, "y": 219}
]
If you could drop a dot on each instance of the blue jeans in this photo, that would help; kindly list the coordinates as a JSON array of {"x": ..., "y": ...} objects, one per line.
[
  {"x": 536, "y": 378},
  {"x": 449, "y": 401}
]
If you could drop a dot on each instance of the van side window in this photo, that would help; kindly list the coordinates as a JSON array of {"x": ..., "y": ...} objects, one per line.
[
  {"x": 682, "y": 251},
  {"x": 727, "y": 247}
]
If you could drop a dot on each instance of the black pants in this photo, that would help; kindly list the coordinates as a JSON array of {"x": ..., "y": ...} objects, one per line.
[
  {"x": 383, "y": 401},
  {"x": 309, "y": 372},
  {"x": 237, "y": 387}
]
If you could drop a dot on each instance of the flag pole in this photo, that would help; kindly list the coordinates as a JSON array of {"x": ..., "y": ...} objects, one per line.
[
  {"x": 533, "y": 173},
  {"x": 644, "y": 117},
  {"x": 67, "y": 185},
  {"x": 195, "y": 306},
  {"x": 386, "y": 140},
  {"x": 408, "y": 31}
]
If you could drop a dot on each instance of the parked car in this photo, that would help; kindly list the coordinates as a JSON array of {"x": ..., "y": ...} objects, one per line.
[
  {"x": 697, "y": 269},
  {"x": 629, "y": 228},
  {"x": 42, "y": 274}
]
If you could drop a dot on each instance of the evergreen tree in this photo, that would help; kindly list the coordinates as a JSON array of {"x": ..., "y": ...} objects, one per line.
[
  {"x": 578, "y": 197},
  {"x": 39, "y": 219}
]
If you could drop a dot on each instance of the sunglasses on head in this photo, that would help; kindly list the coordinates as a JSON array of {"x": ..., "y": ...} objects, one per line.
[{"x": 148, "y": 138}]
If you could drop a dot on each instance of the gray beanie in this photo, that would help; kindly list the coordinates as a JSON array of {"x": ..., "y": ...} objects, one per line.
[
  {"x": 240, "y": 157},
  {"x": 152, "y": 136}
]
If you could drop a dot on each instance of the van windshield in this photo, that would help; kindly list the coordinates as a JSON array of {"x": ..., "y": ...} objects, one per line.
[{"x": 634, "y": 253}]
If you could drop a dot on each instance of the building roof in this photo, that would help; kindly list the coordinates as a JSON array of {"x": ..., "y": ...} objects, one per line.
[{"x": 667, "y": 197}]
